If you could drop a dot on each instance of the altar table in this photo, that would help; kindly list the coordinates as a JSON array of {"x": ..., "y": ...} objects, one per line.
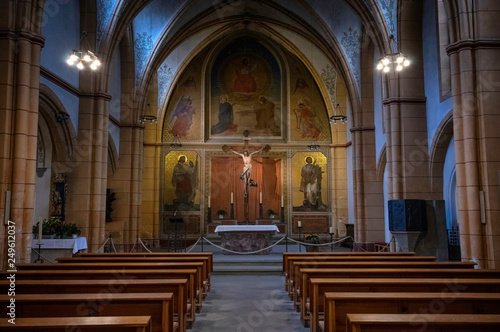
[
  {"x": 247, "y": 238},
  {"x": 55, "y": 248}
]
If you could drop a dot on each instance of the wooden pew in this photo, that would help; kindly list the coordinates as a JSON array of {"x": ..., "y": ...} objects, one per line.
[
  {"x": 365, "y": 258},
  {"x": 338, "y": 305},
  {"x": 422, "y": 322},
  {"x": 117, "y": 274},
  {"x": 320, "y": 286},
  {"x": 206, "y": 270},
  {"x": 178, "y": 287},
  {"x": 80, "y": 324},
  {"x": 306, "y": 274},
  {"x": 210, "y": 255},
  {"x": 118, "y": 266},
  {"x": 158, "y": 306},
  {"x": 286, "y": 255},
  {"x": 379, "y": 264}
]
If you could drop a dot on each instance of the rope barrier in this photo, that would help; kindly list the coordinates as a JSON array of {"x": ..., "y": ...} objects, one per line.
[
  {"x": 246, "y": 252},
  {"x": 36, "y": 252},
  {"x": 132, "y": 250},
  {"x": 144, "y": 245},
  {"x": 103, "y": 244},
  {"x": 194, "y": 245},
  {"x": 113, "y": 244},
  {"x": 319, "y": 245}
]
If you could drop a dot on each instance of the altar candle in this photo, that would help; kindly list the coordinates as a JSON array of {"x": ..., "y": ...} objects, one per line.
[
  {"x": 331, "y": 229},
  {"x": 260, "y": 201},
  {"x": 39, "y": 230},
  {"x": 208, "y": 200},
  {"x": 299, "y": 224},
  {"x": 282, "y": 201},
  {"x": 232, "y": 199}
]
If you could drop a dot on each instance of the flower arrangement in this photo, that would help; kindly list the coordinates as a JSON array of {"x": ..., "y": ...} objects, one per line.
[
  {"x": 271, "y": 213},
  {"x": 312, "y": 238},
  {"x": 221, "y": 213},
  {"x": 55, "y": 226}
]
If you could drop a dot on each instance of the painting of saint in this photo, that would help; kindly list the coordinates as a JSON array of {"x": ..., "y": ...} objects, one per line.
[
  {"x": 226, "y": 117},
  {"x": 181, "y": 187},
  {"x": 306, "y": 120},
  {"x": 184, "y": 180},
  {"x": 311, "y": 190},
  {"x": 182, "y": 117},
  {"x": 264, "y": 115}
]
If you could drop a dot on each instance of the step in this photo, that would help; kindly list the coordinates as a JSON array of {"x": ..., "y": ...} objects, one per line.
[{"x": 247, "y": 269}]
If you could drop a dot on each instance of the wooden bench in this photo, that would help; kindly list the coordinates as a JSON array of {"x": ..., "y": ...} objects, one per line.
[
  {"x": 81, "y": 324},
  {"x": 306, "y": 274},
  {"x": 320, "y": 286},
  {"x": 114, "y": 275},
  {"x": 158, "y": 306},
  {"x": 206, "y": 270},
  {"x": 286, "y": 255},
  {"x": 178, "y": 287},
  {"x": 338, "y": 305},
  {"x": 119, "y": 266},
  {"x": 296, "y": 266},
  {"x": 365, "y": 258},
  {"x": 422, "y": 322}
]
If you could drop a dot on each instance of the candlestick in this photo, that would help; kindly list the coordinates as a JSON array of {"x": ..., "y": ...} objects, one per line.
[
  {"x": 299, "y": 224},
  {"x": 39, "y": 230},
  {"x": 260, "y": 201},
  {"x": 231, "y": 197}
]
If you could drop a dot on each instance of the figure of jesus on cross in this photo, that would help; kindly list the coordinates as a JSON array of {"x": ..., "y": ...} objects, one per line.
[{"x": 247, "y": 162}]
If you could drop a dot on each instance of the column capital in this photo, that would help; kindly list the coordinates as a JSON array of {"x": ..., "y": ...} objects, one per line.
[{"x": 472, "y": 44}]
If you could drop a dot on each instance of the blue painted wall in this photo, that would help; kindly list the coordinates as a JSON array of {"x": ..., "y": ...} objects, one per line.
[
  {"x": 61, "y": 29},
  {"x": 380, "y": 137},
  {"x": 436, "y": 110},
  {"x": 115, "y": 85},
  {"x": 70, "y": 102},
  {"x": 450, "y": 185},
  {"x": 114, "y": 131}
]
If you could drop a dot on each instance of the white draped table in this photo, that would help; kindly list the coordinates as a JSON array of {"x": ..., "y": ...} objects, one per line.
[
  {"x": 247, "y": 238},
  {"x": 54, "y": 248}
]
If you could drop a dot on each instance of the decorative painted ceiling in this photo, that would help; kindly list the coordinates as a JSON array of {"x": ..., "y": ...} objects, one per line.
[{"x": 151, "y": 27}]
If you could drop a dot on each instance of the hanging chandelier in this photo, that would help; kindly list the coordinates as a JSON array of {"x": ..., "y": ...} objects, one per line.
[
  {"x": 338, "y": 115},
  {"x": 395, "y": 60},
  {"x": 148, "y": 117},
  {"x": 84, "y": 58}
]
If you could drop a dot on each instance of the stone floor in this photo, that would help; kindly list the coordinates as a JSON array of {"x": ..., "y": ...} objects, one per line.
[{"x": 247, "y": 303}]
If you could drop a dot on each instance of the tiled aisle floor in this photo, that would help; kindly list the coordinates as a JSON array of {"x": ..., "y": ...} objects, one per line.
[{"x": 248, "y": 303}]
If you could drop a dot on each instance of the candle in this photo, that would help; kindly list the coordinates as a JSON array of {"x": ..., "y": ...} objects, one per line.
[
  {"x": 260, "y": 201},
  {"x": 282, "y": 201},
  {"x": 299, "y": 224},
  {"x": 331, "y": 229},
  {"x": 208, "y": 200},
  {"x": 39, "y": 230},
  {"x": 232, "y": 199}
]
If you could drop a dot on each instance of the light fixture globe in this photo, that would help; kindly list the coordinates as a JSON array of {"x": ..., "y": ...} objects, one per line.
[{"x": 83, "y": 58}]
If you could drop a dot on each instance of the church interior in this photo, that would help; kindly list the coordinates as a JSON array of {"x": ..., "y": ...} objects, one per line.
[{"x": 352, "y": 125}]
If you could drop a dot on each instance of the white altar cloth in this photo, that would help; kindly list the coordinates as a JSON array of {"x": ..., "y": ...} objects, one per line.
[
  {"x": 246, "y": 228},
  {"x": 77, "y": 244}
]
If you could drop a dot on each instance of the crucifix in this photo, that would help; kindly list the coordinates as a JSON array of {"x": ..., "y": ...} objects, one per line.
[{"x": 246, "y": 176}]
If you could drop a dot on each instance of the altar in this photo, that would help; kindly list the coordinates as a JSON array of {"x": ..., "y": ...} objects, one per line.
[
  {"x": 55, "y": 248},
  {"x": 247, "y": 238}
]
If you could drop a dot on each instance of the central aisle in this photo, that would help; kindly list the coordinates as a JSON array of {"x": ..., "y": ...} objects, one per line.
[{"x": 248, "y": 303}]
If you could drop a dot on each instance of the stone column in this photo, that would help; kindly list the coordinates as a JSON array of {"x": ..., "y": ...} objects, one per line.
[
  {"x": 20, "y": 49},
  {"x": 474, "y": 52},
  {"x": 405, "y": 114}
]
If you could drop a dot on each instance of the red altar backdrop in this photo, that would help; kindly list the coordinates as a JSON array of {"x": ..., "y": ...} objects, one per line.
[{"x": 225, "y": 178}]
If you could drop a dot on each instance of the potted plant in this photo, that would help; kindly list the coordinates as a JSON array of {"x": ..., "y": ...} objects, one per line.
[
  {"x": 312, "y": 239},
  {"x": 271, "y": 213},
  {"x": 221, "y": 213},
  {"x": 51, "y": 227},
  {"x": 70, "y": 230}
]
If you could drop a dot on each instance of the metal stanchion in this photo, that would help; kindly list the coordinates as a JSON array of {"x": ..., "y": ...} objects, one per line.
[
  {"x": 300, "y": 237},
  {"x": 331, "y": 240}
]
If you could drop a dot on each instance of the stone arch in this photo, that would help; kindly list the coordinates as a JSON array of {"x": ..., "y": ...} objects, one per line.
[
  {"x": 437, "y": 156},
  {"x": 62, "y": 131}
]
